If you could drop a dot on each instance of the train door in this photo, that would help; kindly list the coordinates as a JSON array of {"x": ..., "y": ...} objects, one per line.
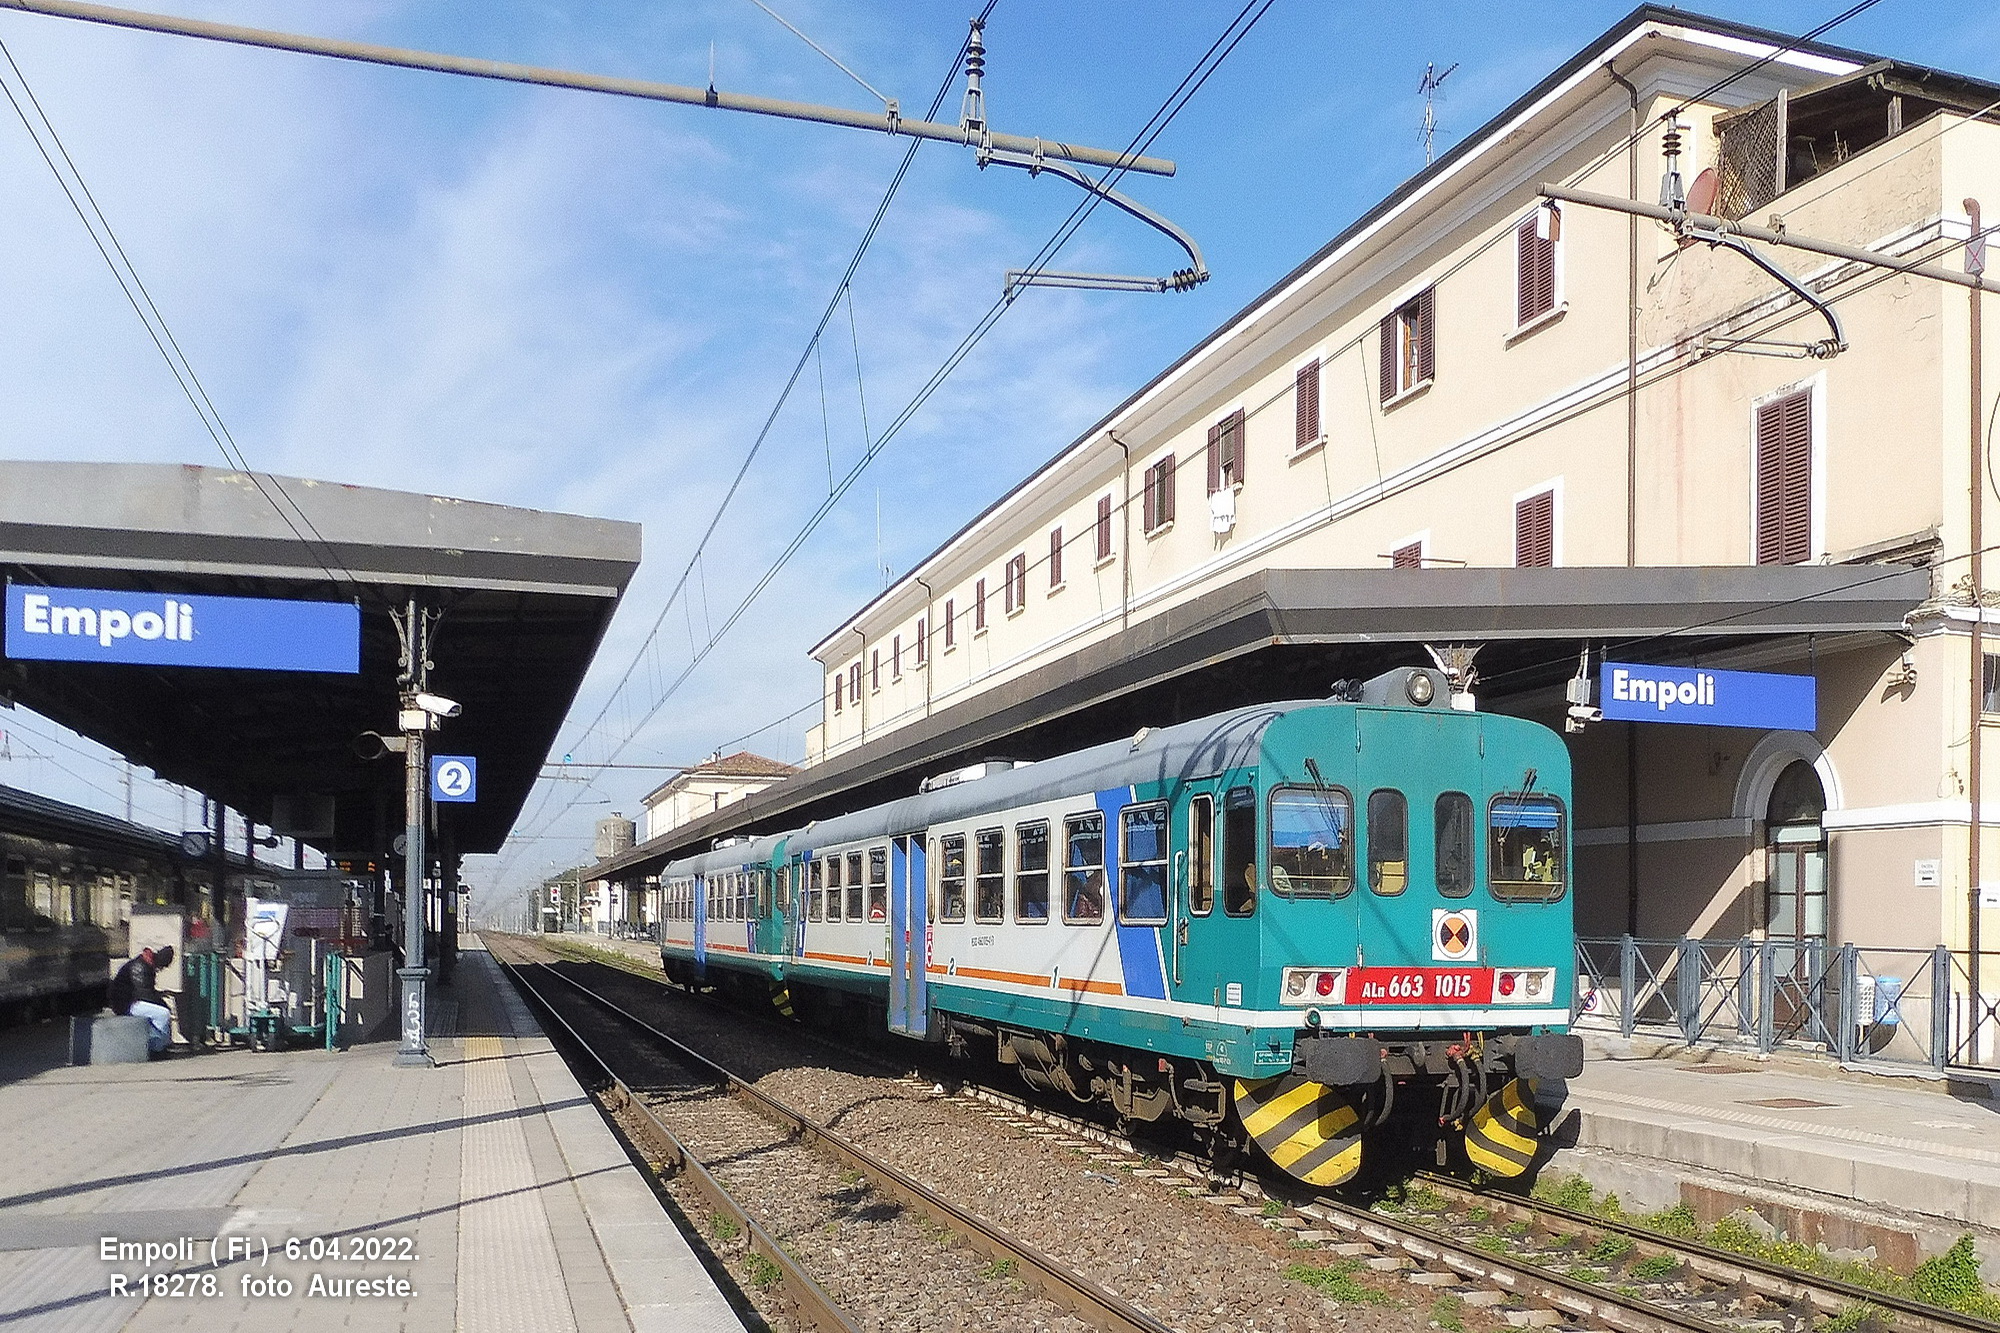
[
  {"x": 700, "y": 892},
  {"x": 909, "y": 939},
  {"x": 802, "y": 895},
  {"x": 1214, "y": 932},
  {"x": 1403, "y": 773}
]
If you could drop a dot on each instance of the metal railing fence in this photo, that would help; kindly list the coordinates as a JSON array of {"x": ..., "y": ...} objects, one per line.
[{"x": 1856, "y": 1003}]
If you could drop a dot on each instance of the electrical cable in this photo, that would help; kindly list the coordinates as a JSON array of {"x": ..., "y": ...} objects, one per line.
[
  {"x": 1192, "y": 83},
  {"x": 156, "y": 324}
]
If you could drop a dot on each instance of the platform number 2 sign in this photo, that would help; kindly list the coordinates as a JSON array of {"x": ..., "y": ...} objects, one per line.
[{"x": 454, "y": 777}]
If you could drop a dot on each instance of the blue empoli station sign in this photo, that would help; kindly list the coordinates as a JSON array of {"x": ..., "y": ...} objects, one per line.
[
  {"x": 151, "y": 629},
  {"x": 1628, "y": 692}
]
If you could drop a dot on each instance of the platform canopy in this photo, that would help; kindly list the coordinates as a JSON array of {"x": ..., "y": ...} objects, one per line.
[
  {"x": 1290, "y": 633},
  {"x": 525, "y": 599}
]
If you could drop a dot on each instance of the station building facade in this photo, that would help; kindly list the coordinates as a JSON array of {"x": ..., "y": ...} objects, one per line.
[{"x": 1542, "y": 415}]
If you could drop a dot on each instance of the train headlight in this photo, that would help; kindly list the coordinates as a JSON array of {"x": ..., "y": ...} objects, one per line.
[
  {"x": 1534, "y": 983},
  {"x": 1295, "y": 983},
  {"x": 1419, "y": 688}
]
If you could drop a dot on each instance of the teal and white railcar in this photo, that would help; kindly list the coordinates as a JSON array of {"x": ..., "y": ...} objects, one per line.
[{"x": 1278, "y": 922}]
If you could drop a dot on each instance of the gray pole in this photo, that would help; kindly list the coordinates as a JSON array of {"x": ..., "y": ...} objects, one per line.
[
  {"x": 886, "y": 121},
  {"x": 413, "y": 1051}
]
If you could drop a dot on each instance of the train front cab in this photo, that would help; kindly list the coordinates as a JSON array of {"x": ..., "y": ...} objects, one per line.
[{"x": 1414, "y": 940}]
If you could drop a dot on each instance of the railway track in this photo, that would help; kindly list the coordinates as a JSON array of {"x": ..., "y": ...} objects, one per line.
[
  {"x": 1009, "y": 1260},
  {"x": 1501, "y": 1251}
]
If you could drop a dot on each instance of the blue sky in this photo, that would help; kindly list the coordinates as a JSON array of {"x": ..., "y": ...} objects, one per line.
[{"x": 564, "y": 301}]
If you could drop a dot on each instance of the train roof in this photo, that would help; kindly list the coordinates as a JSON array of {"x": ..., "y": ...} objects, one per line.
[{"x": 40, "y": 817}]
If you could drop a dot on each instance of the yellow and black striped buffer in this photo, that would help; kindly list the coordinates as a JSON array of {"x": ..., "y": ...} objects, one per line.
[
  {"x": 781, "y": 1000},
  {"x": 1309, "y": 1130},
  {"x": 1500, "y": 1139}
]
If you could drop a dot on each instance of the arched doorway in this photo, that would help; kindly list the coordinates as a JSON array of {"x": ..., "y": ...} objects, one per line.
[{"x": 1795, "y": 875}]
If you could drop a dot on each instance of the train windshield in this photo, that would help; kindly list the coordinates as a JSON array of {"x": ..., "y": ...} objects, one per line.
[
  {"x": 1524, "y": 857},
  {"x": 1312, "y": 843}
]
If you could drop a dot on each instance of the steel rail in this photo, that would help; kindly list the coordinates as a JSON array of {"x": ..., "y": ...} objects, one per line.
[
  {"x": 1769, "y": 1280},
  {"x": 1052, "y": 1278},
  {"x": 810, "y": 1300},
  {"x": 885, "y": 122}
]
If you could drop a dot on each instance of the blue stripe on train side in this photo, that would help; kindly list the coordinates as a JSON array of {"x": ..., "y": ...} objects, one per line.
[{"x": 1138, "y": 946}]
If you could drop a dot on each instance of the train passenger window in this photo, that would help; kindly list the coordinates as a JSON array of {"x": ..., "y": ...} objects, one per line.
[
  {"x": 833, "y": 888},
  {"x": 989, "y": 900},
  {"x": 1388, "y": 842},
  {"x": 951, "y": 879},
  {"x": 785, "y": 878},
  {"x": 1083, "y": 869},
  {"x": 1201, "y": 855},
  {"x": 1031, "y": 873},
  {"x": 1142, "y": 866},
  {"x": 1312, "y": 841},
  {"x": 761, "y": 877},
  {"x": 14, "y": 913},
  {"x": 1524, "y": 852},
  {"x": 878, "y": 883},
  {"x": 815, "y": 890},
  {"x": 854, "y": 886},
  {"x": 1239, "y": 851},
  {"x": 1454, "y": 844}
]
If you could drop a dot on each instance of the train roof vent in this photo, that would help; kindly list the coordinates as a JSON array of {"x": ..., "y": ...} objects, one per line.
[
  {"x": 729, "y": 840},
  {"x": 1408, "y": 687},
  {"x": 986, "y": 768}
]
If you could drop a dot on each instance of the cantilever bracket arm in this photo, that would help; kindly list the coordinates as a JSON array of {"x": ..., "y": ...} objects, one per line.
[
  {"x": 1181, "y": 280},
  {"x": 1825, "y": 348}
]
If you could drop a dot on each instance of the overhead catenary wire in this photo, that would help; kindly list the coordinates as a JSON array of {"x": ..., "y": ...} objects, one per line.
[
  {"x": 1197, "y": 77},
  {"x": 105, "y": 238}
]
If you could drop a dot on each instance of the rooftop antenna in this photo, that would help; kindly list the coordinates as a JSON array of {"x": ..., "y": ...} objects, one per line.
[{"x": 1432, "y": 81}]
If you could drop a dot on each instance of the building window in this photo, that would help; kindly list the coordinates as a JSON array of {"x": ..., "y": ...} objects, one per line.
[
  {"x": 1055, "y": 559},
  {"x": 1535, "y": 531},
  {"x": 950, "y": 624},
  {"x": 1159, "y": 502},
  {"x": 854, "y": 683},
  {"x": 1407, "y": 557},
  {"x": 1535, "y": 266},
  {"x": 1306, "y": 391},
  {"x": 1784, "y": 480},
  {"x": 875, "y": 670},
  {"x": 979, "y": 607},
  {"x": 1225, "y": 452},
  {"x": 1103, "y": 528},
  {"x": 1016, "y": 594},
  {"x": 1409, "y": 345},
  {"x": 839, "y": 694},
  {"x": 896, "y": 657}
]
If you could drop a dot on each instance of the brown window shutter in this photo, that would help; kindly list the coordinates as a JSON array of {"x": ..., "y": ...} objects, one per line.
[
  {"x": 839, "y": 694},
  {"x": 896, "y": 656},
  {"x": 1151, "y": 506},
  {"x": 950, "y": 623},
  {"x": 1237, "y": 431},
  {"x": 979, "y": 605},
  {"x": 1215, "y": 458},
  {"x": 923, "y": 641},
  {"x": 1170, "y": 481},
  {"x": 1104, "y": 527},
  {"x": 1389, "y": 355},
  {"x": 1427, "y": 335},
  {"x": 1307, "y": 414},
  {"x": 1784, "y": 481},
  {"x": 1407, "y": 557},
  {"x": 1055, "y": 557},
  {"x": 1535, "y": 531}
]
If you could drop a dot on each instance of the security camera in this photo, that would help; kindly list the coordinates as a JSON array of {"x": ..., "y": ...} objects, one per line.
[{"x": 438, "y": 706}]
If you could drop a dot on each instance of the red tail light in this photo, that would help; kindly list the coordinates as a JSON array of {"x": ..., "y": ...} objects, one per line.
[
  {"x": 1324, "y": 983},
  {"x": 1506, "y": 983}
]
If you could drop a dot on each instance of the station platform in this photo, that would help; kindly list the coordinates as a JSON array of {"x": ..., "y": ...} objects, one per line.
[
  {"x": 483, "y": 1194},
  {"x": 1846, "y": 1159}
]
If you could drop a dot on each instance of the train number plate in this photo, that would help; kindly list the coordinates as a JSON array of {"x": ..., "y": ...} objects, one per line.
[{"x": 1420, "y": 985}]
